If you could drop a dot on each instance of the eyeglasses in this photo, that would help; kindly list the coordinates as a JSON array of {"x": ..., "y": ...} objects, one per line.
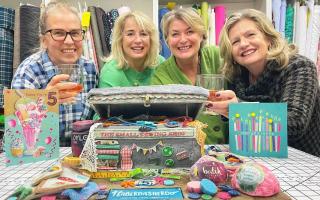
[{"x": 61, "y": 35}]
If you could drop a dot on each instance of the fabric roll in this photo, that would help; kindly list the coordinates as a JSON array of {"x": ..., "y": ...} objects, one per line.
[
  {"x": 96, "y": 36},
  {"x": 29, "y": 30},
  {"x": 315, "y": 34},
  {"x": 289, "y": 23},
  {"x": 204, "y": 13},
  {"x": 99, "y": 13},
  {"x": 276, "y": 4},
  {"x": 85, "y": 47},
  {"x": 220, "y": 14},
  {"x": 310, "y": 18},
  {"x": 16, "y": 40},
  {"x": 295, "y": 21},
  {"x": 165, "y": 51},
  {"x": 212, "y": 28},
  {"x": 318, "y": 62},
  {"x": 6, "y": 48},
  {"x": 283, "y": 8},
  {"x": 92, "y": 49},
  {"x": 108, "y": 21},
  {"x": 301, "y": 29}
]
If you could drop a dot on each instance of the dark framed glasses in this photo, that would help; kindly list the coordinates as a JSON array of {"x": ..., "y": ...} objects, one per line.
[{"x": 61, "y": 35}]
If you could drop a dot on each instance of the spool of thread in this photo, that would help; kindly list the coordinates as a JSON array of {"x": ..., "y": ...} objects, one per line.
[
  {"x": 171, "y": 5},
  {"x": 220, "y": 14},
  {"x": 194, "y": 187},
  {"x": 124, "y": 9}
]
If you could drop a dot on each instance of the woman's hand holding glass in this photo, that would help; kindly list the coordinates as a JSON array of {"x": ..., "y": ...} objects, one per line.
[
  {"x": 222, "y": 106},
  {"x": 68, "y": 81},
  {"x": 214, "y": 83}
]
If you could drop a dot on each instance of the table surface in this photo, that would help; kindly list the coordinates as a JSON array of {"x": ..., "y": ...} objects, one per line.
[{"x": 299, "y": 174}]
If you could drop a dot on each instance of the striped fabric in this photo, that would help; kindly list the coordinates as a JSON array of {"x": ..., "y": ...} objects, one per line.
[
  {"x": 126, "y": 161},
  {"x": 107, "y": 151},
  {"x": 6, "y": 48},
  {"x": 29, "y": 31}
]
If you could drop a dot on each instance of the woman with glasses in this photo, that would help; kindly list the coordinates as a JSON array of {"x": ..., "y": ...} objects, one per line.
[
  {"x": 61, "y": 43},
  {"x": 134, "y": 52}
]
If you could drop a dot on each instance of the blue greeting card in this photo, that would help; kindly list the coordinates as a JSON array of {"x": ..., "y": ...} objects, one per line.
[
  {"x": 258, "y": 129},
  {"x": 31, "y": 126}
]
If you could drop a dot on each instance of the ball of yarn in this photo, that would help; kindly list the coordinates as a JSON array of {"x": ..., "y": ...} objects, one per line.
[{"x": 255, "y": 180}]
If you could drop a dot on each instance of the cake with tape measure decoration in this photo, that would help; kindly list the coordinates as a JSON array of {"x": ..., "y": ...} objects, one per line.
[{"x": 150, "y": 127}]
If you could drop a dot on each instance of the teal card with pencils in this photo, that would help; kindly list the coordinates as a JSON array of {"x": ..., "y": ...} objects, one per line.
[{"x": 258, "y": 129}]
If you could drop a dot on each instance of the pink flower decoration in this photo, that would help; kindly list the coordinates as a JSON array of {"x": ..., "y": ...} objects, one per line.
[{"x": 159, "y": 180}]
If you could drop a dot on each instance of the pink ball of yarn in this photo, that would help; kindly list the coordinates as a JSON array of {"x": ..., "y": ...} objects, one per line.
[{"x": 255, "y": 180}]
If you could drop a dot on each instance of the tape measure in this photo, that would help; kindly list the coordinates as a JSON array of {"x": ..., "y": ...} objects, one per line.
[{"x": 110, "y": 174}]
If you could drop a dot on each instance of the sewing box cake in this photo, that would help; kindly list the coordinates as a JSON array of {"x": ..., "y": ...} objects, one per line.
[{"x": 150, "y": 127}]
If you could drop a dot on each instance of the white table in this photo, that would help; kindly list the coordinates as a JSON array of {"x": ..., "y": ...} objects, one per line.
[
  {"x": 299, "y": 174},
  {"x": 14, "y": 176}
]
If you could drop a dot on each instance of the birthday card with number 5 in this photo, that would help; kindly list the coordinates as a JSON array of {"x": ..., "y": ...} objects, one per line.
[
  {"x": 31, "y": 126},
  {"x": 258, "y": 129}
]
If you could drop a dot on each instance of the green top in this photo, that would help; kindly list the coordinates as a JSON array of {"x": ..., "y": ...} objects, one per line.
[
  {"x": 111, "y": 75},
  {"x": 169, "y": 73}
]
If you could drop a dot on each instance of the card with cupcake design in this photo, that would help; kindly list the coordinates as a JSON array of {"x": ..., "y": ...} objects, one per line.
[
  {"x": 258, "y": 129},
  {"x": 31, "y": 126}
]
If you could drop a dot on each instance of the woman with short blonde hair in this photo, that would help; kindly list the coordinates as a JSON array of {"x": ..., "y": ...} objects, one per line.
[
  {"x": 185, "y": 34},
  {"x": 190, "y": 17}
]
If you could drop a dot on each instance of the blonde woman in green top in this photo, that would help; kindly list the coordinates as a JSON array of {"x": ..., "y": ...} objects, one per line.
[
  {"x": 186, "y": 35},
  {"x": 134, "y": 52}
]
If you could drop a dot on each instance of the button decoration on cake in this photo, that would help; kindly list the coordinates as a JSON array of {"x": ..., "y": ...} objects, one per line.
[
  {"x": 194, "y": 187},
  {"x": 208, "y": 187},
  {"x": 206, "y": 197},
  {"x": 169, "y": 163},
  {"x": 168, "y": 182},
  {"x": 223, "y": 195},
  {"x": 234, "y": 192},
  {"x": 194, "y": 196},
  {"x": 167, "y": 151}
]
